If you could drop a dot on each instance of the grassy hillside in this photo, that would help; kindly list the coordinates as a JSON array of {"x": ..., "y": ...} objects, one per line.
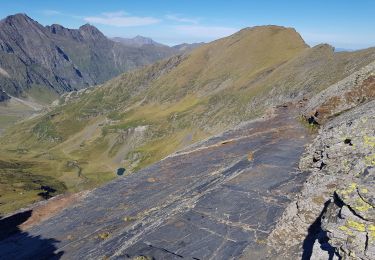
[{"x": 142, "y": 116}]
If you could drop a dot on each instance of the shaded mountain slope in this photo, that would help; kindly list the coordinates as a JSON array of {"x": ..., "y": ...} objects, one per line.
[
  {"x": 138, "y": 41},
  {"x": 56, "y": 59},
  {"x": 144, "y": 115}
]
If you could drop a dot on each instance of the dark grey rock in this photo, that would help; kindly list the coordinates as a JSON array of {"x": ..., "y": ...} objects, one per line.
[
  {"x": 61, "y": 59},
  {"x": 209, "y": 201}
]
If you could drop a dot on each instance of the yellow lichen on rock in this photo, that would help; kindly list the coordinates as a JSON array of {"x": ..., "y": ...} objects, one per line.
[
  {"x": 370, "y": 160},
  {"x": 343, "y": 228},
  {"x": 362, "y": 205},
  {"x": 356, "y": 225},
  {"x": 352, "y": 187},
  {"x": 369, "y": 140},
  {"x": 104, "y": 235},
  {"x": 141, "y": 257},
  {"x": 371, "y": 233}
]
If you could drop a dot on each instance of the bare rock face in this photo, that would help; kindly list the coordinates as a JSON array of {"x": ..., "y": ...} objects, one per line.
[
  {"x": 350, "y": 218},
  {"x": 348, "y": 93},
  {"x": 334, "y": 214},
  {"x": 217, "y": 199}
]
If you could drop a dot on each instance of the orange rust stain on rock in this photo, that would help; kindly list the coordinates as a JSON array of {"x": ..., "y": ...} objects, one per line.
[
  {"x": 51, "y": 207},
  {"x": 331, "y": 186},
  {"x": 327, "y": 107},
  {"x": 151, "y": 180},
  {"x": 179, "y": 224},
  {"x": 365, "y": 91},
  {"x": 250, "y": 156},
  {"x": 357, "y": 95}
]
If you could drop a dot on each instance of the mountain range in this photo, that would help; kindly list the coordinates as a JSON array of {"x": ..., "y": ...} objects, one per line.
[
  {"x": 139, "y": 41},
  {"x": 39, "y": 63},
  {"x": 144, "y": 115},
  {"x": 55, "y": 59}
]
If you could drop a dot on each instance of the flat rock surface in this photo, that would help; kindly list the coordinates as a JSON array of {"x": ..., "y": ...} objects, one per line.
[{"x": 209, "y": 201}]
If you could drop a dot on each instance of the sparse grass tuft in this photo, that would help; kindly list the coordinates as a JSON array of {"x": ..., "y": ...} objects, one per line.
[{"x": 312, "y": 128}]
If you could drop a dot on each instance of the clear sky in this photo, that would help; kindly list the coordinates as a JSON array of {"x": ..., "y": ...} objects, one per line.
[{"x": 346, "y": 24}]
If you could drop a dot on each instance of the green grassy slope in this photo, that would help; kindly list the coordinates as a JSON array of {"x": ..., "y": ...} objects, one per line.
[{"x": 142, "y": 116}]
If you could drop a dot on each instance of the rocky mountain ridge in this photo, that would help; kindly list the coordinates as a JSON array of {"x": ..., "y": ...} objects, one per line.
[
  {"x": 187, "y": 47},
  {"x": 137, "y": 41},
  {"x": 55, "y": 59},
  {"x": 141, "y": 41}
]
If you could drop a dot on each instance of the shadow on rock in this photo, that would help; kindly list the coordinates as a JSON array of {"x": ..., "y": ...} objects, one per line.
[
  {"x": 315, "y": 233},
  {"x": 18, "y": 244}
]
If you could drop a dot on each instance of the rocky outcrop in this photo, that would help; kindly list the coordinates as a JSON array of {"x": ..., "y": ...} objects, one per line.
[
  {"x": 348, "y": 93},
  {"x": 350, "y": 217},
  {"x": 333, "y": 216},
  {"x": 346, "y": 149},
  {"x": 3, "y": 96}
]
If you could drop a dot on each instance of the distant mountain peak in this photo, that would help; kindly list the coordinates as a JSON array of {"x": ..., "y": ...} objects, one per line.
[
  {"x": 60, "y": 59},
  {"x": 267, "y": 27},
  {"x": 90, "y": 31},
  {"x": 19, "y": 18},
  {"x": 56, "y": 28},
  {"x": 142, "y": 37},
  {"x": 137, "y": 41},
  {"x": 89, "y": 28},
  {"x": 265, "y": 32},
  {"x": 187, "y": 47}
]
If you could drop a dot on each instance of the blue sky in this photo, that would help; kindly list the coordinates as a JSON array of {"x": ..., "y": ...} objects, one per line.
[{"x": 344, "y": 24}]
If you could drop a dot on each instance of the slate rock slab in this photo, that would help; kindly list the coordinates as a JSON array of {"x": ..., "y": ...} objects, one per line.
[{"x": 209, "y": 201}]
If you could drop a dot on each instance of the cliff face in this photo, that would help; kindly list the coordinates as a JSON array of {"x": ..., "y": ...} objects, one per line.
[{"x": 58, "y": 59}]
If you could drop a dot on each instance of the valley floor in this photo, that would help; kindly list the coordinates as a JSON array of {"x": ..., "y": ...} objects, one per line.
[{"x": 214, "y": 200}]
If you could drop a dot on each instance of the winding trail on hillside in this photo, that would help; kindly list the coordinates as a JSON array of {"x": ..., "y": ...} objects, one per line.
[
  {"x": 33, "y": 105},
  {"x": 210, "y": 201}
]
